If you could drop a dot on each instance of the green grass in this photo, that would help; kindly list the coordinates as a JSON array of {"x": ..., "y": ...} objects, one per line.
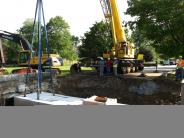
[
  {"x": 10, "y": 69},
  {"x": 67, "y": 67},
  {"x": 87, "y": 68},
  {"x": 65, "y": 70}
]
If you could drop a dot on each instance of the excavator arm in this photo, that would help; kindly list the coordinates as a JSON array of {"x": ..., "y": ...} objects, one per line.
[
  {"x": 26, "y": 51},
  {"x": 17, "y": 39}
]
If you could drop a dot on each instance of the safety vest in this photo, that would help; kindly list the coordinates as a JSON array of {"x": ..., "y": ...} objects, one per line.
[{"x": 180, "y": 64}]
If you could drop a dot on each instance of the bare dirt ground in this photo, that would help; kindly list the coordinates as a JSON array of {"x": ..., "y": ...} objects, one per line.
[{"x": 153, "y": 89}]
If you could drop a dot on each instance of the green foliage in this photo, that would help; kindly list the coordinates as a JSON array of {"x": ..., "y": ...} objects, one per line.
[
  {"x": 160, "y": 21},
  {"x": 129, "y": 38},
  {"x": 144, "y": 46},
  {"x": 60, "y": 39},
  {"x": 76, "y": 42},
  {"x": 10, "y": 50},
  {"x": 96, "y": 41},
  {"x": 148, "y": 53},
  {"x": 12, "y": 54},
  {"x": 26, "y": 31}
]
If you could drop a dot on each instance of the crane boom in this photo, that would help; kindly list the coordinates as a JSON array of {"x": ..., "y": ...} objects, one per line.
[
  {"x": 121, "y": 49},
  {"x": 120, "y": 33},
  {"x": 110, "y": 11}
]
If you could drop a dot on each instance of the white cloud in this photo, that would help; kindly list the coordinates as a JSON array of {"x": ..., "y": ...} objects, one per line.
[{"x": 80, "y": 14}]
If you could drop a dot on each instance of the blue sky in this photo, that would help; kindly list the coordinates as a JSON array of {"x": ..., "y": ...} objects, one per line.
[{"x": 80, "y": 14}]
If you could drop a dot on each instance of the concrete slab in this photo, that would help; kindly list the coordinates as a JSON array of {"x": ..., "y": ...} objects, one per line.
[
  {"x": 49, "y": 99},
  {"x": 46, "y": 99}
]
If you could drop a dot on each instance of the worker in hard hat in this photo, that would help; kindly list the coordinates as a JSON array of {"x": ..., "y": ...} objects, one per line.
[
  {"x": 109, "y": 65},
  {"x": 179, "y": 68},
  {"x": 178, "y": 60},
  {"x": 101, "y": 67}
]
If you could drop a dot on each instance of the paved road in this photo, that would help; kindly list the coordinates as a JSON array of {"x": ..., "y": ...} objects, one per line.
[{"x": 161, "y": 68}]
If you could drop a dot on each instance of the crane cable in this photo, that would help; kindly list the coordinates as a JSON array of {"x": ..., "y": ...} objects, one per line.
[{"x": 40, "y": 11}]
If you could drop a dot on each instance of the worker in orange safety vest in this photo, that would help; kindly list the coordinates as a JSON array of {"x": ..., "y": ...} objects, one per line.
[{"x": 179, "y": 68}]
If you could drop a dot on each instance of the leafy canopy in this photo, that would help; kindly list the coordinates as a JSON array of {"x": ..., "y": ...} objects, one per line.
[
  {"x": 96, "y": 41},
  {"x": 60, "y": 39},
  {"x": 160, "y": 21}
]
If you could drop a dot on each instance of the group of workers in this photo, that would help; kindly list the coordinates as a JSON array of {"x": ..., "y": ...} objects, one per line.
[
  {"x": 104, "y": 67},
  {"x": 108, "y": 66}
]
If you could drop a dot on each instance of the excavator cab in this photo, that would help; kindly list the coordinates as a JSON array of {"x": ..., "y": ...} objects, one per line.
[
  {"x": 23, "y": 58},
  {"x": 106, "y": 54}
]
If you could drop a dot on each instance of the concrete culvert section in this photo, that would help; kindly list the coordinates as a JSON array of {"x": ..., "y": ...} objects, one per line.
[{"x": 14, "y": 85}]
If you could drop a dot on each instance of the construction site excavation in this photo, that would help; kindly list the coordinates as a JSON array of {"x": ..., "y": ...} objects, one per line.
[
  {"x": 77, "y": 89},
  {"x": 115, "y": 62}
]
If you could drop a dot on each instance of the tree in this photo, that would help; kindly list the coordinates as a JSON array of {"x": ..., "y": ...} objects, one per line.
[
  {"x": 76, "y": 42},
  {"x": 143, "y": 45},
  {"x": 96, "y": 41},
  {"x": 60, "y": 39},
  {"x": 161, "y": 21},
  {"x": 10, "y": 50},
  {"x": 27, "y": 30}
]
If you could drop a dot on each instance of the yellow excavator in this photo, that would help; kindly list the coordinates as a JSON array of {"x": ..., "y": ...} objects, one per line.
[
  {"x": 26, "y": 53},
  {"x": 121, "y": 49}
]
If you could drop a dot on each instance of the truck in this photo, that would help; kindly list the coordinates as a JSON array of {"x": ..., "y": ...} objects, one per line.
[
  {"x": 27, "y": 55},
  {"x": 122, "y": 50}
]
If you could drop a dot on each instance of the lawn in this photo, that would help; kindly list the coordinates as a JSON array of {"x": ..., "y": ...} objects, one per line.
[
  {"x": 65, "y": 70},
  {"x": 10, "y": 69}
]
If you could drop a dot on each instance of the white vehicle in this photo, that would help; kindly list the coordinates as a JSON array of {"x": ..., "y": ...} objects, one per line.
[{"x": 166, "y": 62}]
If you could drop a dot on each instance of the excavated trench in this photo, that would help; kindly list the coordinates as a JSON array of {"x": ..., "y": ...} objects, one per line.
[{"x": 128, "y": 90}]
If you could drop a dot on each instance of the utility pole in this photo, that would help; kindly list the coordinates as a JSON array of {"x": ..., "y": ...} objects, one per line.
[{"x": 2, "y": 54}]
